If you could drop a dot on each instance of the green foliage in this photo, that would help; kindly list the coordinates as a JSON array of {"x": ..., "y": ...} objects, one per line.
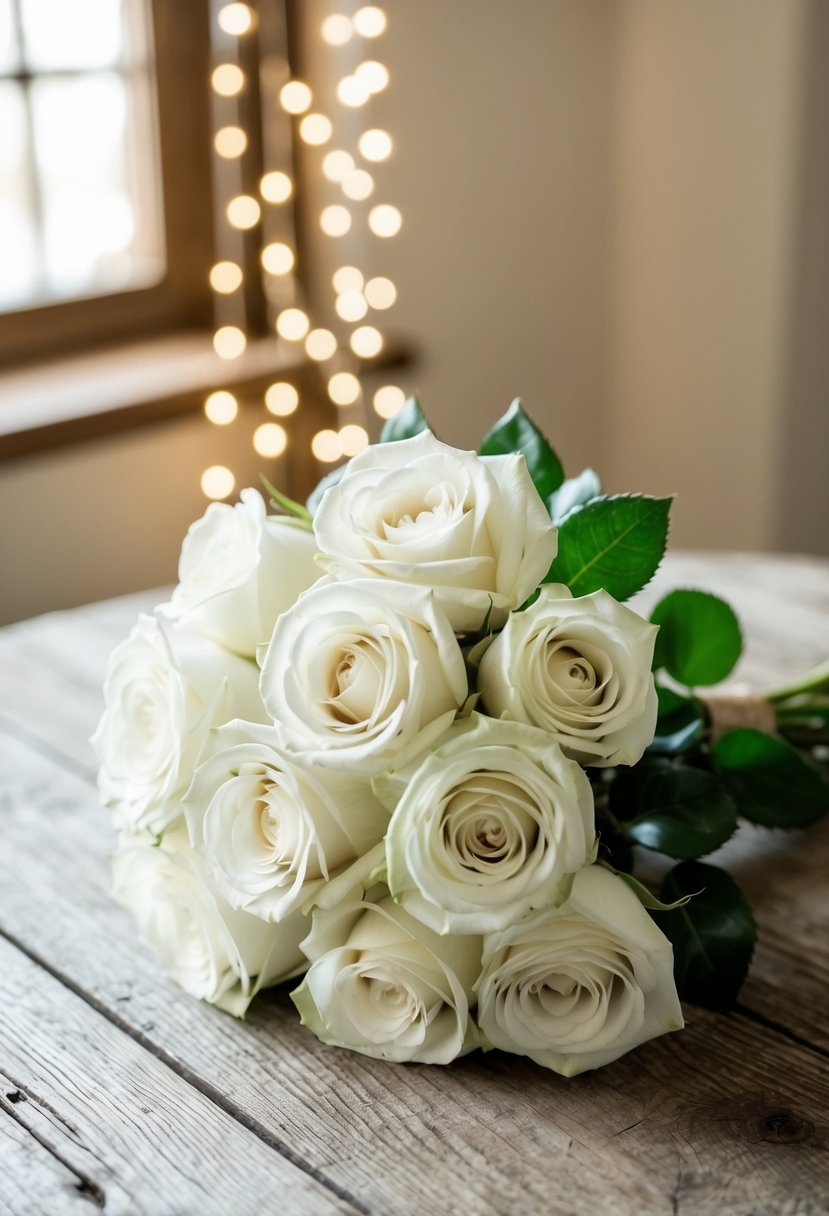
[
  {"x": 330, "y": 479},
  {"x": 285, "y": 503},
  {"x": 679, "y": 724},
  {"x": 572, "y": 493},
  {"x": 770, "y": 782},
  {"x": 408, "y": 421},
  {"x": 616, "y": 543},
  {"x": 699, "y": 638},
  {"x": 644, "y": 894},
  {"x": 673, "y": 808},
  {"x": 713, "y": 935},
  {"x": 516, "y": 432}
]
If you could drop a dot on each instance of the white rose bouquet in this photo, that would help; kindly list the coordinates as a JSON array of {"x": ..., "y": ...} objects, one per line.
[{"x": 407, "y": 740}]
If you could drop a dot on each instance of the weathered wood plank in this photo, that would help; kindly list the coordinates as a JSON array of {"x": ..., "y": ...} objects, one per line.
[
  {"x": 488, "y": 1135},
  {"x": 123, "y": 1132},
  {"x": 28, "y": 1169}
]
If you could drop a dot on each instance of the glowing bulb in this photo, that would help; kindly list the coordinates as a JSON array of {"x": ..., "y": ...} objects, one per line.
[
  {"x": 244, "y": 211},
  {"x": 385, "y": 220},
  {"x": 337, "y": 30},
  {"x": 335, "y": 220},
  {"x": 221, "y": 408},
  {"x": 370, "y": 21},
  {"x": 320, "y": 344},
  {"x": 225, "y": 277},
  {"x": 227, "y": 80},
  {"x": 374, "y": 75},
  {"x": 315, "y": 129},
  {"x": 281, "y": 399},
  {"x": 295, "y": 97},
  {"x": 230, "y": 142},
  {"x": 270, "y": 439},
  {"x": 380, "y": 293},
  {"x": 367, "y": 341},
  {"x": 388, "y": 400},
  {"x": 292, "y": 324},
  {"x": 343, "y": 388},
  {"x": 337, "y": 165},
  {"x": 217, "y": 482},
  {"x": 229, "y": 342},
  {"x": 277, "y": 258},
  {"x": 347, "y": 278},
  {"x": 353, "y": 439},
  {"x": 326, "y": 446},
  {"x": 351, "y": 306},
  {"x": 358, "y": 184},
  {"x": 352, "y": 92},
  {"x": 276, "y": 187},
  {"x": 375, "y": 144},
  {"x": 235, "y": 19}
]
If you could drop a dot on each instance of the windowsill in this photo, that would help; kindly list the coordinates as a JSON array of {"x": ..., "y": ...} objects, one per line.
[{"x": 93, "y": 395}]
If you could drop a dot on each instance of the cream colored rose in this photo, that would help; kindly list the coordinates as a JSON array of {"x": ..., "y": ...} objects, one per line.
[
  {"x": 472, "y": 528},
  {"x": 272, "y": 831},
  {"x": 361, "y": 676},
  {"x": 577, "y": 986},
  {"x": 162, "y": 695},
  {"x": 579, "y": 669},
  {"x": 239, "y": 569},
  {"x": 214, "y": 952},
  {"x": 383, "y": 984},
  {"x": 490, "y": 826}
]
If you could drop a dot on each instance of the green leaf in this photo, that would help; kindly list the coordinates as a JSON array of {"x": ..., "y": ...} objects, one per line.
[
  {"x": 330, "y": 479},
  {"x": 407, "y": 422},
  {"x": 616, "y": 543},
  {"x": 679, "y": 724},
  {"x": 572, "y": 493},
  {"x": 771, "y": 784},
  {"x": 285, "y": 503},
  {"x": 699, "y": 638},
  {"x": 675, "y": 809},
  {"x": 713, "y": 936},
  {"x": 644, "y": 894},
  {"x": 516, "y": 432}
]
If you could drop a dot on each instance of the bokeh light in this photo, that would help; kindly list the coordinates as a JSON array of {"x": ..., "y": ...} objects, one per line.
[
  {"x": 375, "y": 144},
  {"x": 326, "y": 446},
  {"x": 366, "y": 341},
  {"x": 380, "y": 292},
  {"x": 320, "y": 344},
  {"x": 277, "y": 258},
  {"x": 337, "y": 30},
  {"x": 217, "y": 482},
  {"x": 243, "y": 211},
  {"x": 385, "y": 220},
  {"x": 226, "y": 277},
  {"x": 230, "y": 142},
  {"x": 369, "y": 21},
  {"x": 335, "y": 220},
  {"x": 353, "y": 439},
  {"x": 235, "y": 19},
  {"x": 227, "y": 80},
  {"x": 292, "y": 324},
  {"x": 229, "y": 342},
  {"x": 281, "y": 399},
  {"x": 270, "y": 439},
  {"x": 221, "y": 408},
  {"x": 295, "y": 97},
  {"x": 276, "y": 187},
  {"x": 315, "y": 129},
  {"x": 337, "y": 165},
  {"x": 347, "y": 278},
  {"x": 344, "y": 388},
  {"x": 388, "y": 400}
]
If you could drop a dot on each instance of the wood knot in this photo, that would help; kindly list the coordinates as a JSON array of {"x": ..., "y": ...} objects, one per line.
[
  {"x": 15, "y": 1096},
  {"x": 785, "y": 1126}
]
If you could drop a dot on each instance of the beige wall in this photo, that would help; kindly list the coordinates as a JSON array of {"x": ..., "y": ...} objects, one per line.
[{"x": 616, "y": 210}]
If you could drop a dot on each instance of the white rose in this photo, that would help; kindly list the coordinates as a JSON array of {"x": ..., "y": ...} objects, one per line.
[
  {"x": 383, "y": 984},
  {"x": 239, "y": 568},
  {"x": 275, "y": 832},
  {"x": 214, "y": 952},
  {"x": 577, "y": 986},
  {"x": 360, "y": 676},
  {"x": 488, "y": 827},
  {"x": 472, "y": 528},
  {"x": 162, "y": 696},
  {"x": 581, "y": 670}
]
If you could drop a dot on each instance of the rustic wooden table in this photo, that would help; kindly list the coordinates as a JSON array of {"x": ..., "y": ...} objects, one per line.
[{"x": 120, "y": 1093}]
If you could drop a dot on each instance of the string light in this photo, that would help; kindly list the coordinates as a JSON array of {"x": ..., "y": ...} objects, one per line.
[
  {"x": 351, "y": 306},
  {"x": 281, "y": 399},
  {"x": 315, "y": 129},
  {"x": 358, "y": 184},
  {"x": 353, "y": 439},
  {"x": 326, "y": 446},
  {"x": 270, "y": 439},
  {"x": 320, "y": 344},
  {"x": 381, "y": 293},
  {"x": 375, "y": 145},
  {"x": 295, "y": 97},
  {"x": 344, "y": 388},
  {"x": 388, "y": 400},
  {"x": 373, "y": 75},
  {"x": 370, "y": 21},
  {"x": 235, "y": 19},
  {"x": 230, "y": 142},
  {"x": 227, "y": 80},
  {"x": 221, "y": 408},
  {"x": 347, "y": 278},
  {"x": 276, "y": 187},
  {"x": 337, "y": 165},
  {"x": 337, "y": 30},
  {"x": 229, "y": 342},
  {"x": 277, "y": 258},
  {"x": 366, "y": 341},
  {"x": 217, "y": 482},
  {"x": 292, "y": 324},
  {"x": 244, "y": 211},
  {"x": 335, "y": 220},
  {"x": 226, "y": 277},
  {"x": 352, "y": 92},
  {"x": 385, "y": 220}
]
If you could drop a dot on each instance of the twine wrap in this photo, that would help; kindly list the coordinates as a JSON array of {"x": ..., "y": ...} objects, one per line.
[{"x": 730, "y": 712}]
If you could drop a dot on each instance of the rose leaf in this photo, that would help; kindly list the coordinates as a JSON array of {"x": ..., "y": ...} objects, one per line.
[
  {"x": 713, "y": 935},
  {"x": 613, "y": 543},
  {"x": 330, "y": 479},
  {"x": 516, "y": 432},
  {"x": 699, "y": 638},
  {"x": 679, "y": 724},
  {"x": 679, "y": 810},
  {"x": 769, "y": 781},
  {"x": 406, "y": 423},
  {"x": 573, "y": 493}
]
